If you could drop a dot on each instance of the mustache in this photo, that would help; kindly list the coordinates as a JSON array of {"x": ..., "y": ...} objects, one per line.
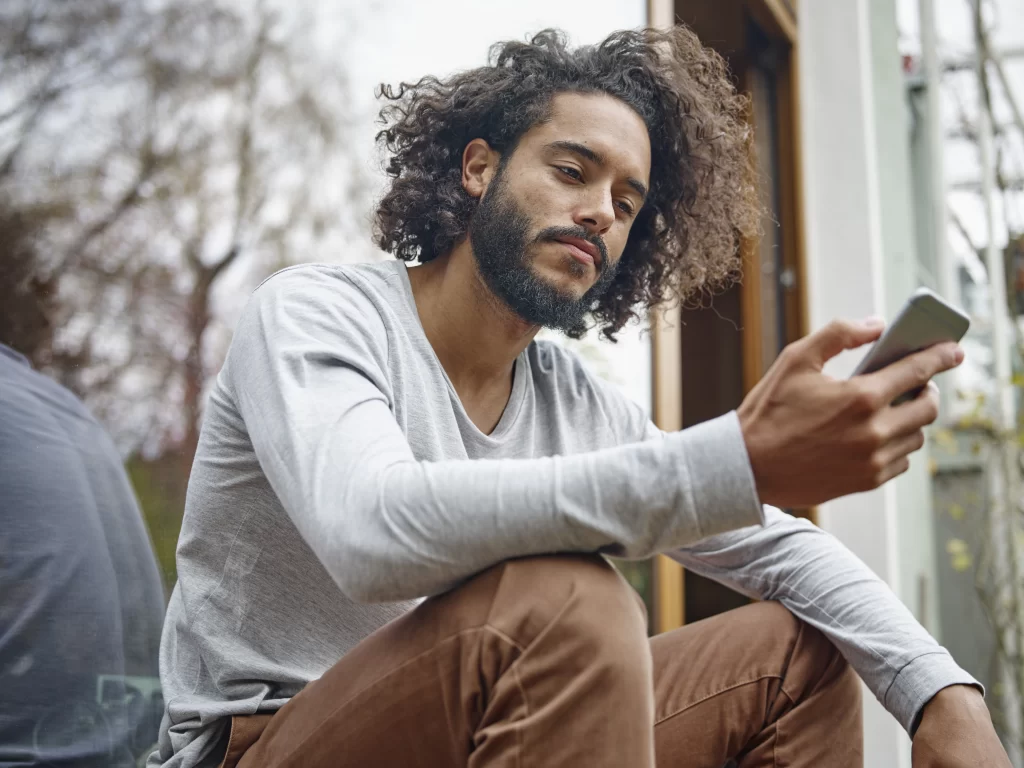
[{"x": 553, "y": 233}]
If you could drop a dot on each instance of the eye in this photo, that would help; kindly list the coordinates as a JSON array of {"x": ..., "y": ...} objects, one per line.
[
  {"x": 571, "y": 172},
  {"x": 625, "y": 207}
]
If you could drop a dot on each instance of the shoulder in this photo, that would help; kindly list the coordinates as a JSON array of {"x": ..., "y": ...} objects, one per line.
[
  {"x": 30, "y": 392},
  {"x": 39, "y": 421},
  {"x": 328, "y": 301},
  {"x": 317, "y": 315},
  {"x": 333, "y": 286},
  {"x": 561, "y": 374}
]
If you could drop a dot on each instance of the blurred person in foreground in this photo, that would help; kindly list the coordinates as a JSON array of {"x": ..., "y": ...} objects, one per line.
[
  {"x": 81, "y": 599},
  {"x": 380, "y": 434}
]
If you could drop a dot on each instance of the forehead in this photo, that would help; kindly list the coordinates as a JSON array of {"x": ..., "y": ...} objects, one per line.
[{"x": 601, "y": 123}]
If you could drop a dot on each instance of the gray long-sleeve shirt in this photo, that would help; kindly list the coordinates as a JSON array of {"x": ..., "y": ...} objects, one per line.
[{"x": 338, "y": 478}]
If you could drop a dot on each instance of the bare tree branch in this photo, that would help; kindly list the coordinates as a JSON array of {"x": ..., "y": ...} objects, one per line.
[{"x": 215, "y": 161}]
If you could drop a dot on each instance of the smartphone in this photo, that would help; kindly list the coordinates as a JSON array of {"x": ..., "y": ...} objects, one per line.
[{"x": 925, "y": 320}]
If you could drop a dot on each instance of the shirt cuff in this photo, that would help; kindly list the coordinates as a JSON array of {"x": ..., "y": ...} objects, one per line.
[
  {"x": 918, "y": 681},
  {"x": 722, "y": 480}
]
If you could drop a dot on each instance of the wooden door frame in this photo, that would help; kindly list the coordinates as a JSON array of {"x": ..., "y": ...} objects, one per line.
[
  {"x": 779, "y": 21},
  {"x": 668, "y": 593}
]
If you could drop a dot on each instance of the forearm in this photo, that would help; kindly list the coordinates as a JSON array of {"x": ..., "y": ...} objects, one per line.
[
  {"x": 827, "y": 586},
  {"x": 391, "y": 528}
]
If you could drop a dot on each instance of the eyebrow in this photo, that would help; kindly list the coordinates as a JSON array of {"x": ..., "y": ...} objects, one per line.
[{"x": 597, "y": 159}]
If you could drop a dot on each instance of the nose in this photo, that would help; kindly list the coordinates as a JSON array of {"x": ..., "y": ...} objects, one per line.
[{"x": 596, "y": 211}]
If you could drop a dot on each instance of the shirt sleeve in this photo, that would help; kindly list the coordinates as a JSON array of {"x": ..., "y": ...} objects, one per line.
[
  {"x": 307, "y": 371},
  {"x": 825, "y": 585}
]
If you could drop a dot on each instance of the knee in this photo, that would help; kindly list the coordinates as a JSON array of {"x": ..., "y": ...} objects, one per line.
[
  {"x": 593, "y": 606},
  {"x": 580, "y": 635}
]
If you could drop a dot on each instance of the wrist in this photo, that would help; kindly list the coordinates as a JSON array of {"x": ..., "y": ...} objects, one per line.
[
  {"x": 957, "y": 695},
  {"x": 754, "y": 452},
  {"x": 955, "y": 701}
]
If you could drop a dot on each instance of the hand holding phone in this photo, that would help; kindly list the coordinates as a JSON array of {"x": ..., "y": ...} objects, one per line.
[
  {"x": 924, "y": 321},
  {"x": 811, "y": 438}
]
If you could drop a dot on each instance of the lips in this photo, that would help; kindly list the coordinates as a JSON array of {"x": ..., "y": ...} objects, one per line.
[{"x": 582, "y": 250}]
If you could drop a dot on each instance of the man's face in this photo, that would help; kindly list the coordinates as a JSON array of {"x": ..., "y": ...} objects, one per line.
[{"x": 554, "y": 219}]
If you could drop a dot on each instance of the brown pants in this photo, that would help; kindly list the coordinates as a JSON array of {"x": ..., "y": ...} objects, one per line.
[{"x": 544, "y": 661}]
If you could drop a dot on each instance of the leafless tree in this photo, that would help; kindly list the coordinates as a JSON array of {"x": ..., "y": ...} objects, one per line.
[{"x": 156, "y": 161}]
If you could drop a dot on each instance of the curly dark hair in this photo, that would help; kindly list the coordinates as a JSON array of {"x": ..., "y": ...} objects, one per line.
[{"x": 703, "y": 195}]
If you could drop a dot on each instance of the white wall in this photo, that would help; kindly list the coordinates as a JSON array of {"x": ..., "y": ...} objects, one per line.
[
  {"x": 854, "y": 189},
  {"x": 915, "y": 518}
]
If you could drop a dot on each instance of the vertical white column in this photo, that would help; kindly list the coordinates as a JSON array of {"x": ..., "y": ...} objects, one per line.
[
  {"x": 937, "y": 205},
  {"x": 845, "y": 268}
]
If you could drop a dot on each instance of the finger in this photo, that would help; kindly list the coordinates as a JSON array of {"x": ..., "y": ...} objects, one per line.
[
  {"x": 908, "y": 417},
  {"x": 895, "y": 469},
  {"x": 838, "y": 335},
  {"x": 900, "y": 448},
  {"x": 915, "y": 370}
]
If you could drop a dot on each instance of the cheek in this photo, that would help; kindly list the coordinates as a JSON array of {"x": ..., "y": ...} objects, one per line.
[
  {"x": 547, "y": 200},
  {"x": 615, "y": 241}
]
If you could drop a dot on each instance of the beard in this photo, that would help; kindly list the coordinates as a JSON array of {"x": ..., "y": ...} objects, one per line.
[{"x": 499, "y": 237}]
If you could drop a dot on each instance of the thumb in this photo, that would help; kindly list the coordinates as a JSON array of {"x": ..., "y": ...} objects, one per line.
[{"x": 839, "y": 335}]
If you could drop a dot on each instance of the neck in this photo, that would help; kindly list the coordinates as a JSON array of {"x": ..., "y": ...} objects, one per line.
[{"x": 475, "y": 336}]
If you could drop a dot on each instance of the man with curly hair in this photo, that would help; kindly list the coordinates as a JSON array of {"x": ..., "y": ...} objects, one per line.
[{"x": 393, "y": 539}]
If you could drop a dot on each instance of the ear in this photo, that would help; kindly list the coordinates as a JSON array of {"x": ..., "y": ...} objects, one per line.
[{"x": 479, "y": 163}]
